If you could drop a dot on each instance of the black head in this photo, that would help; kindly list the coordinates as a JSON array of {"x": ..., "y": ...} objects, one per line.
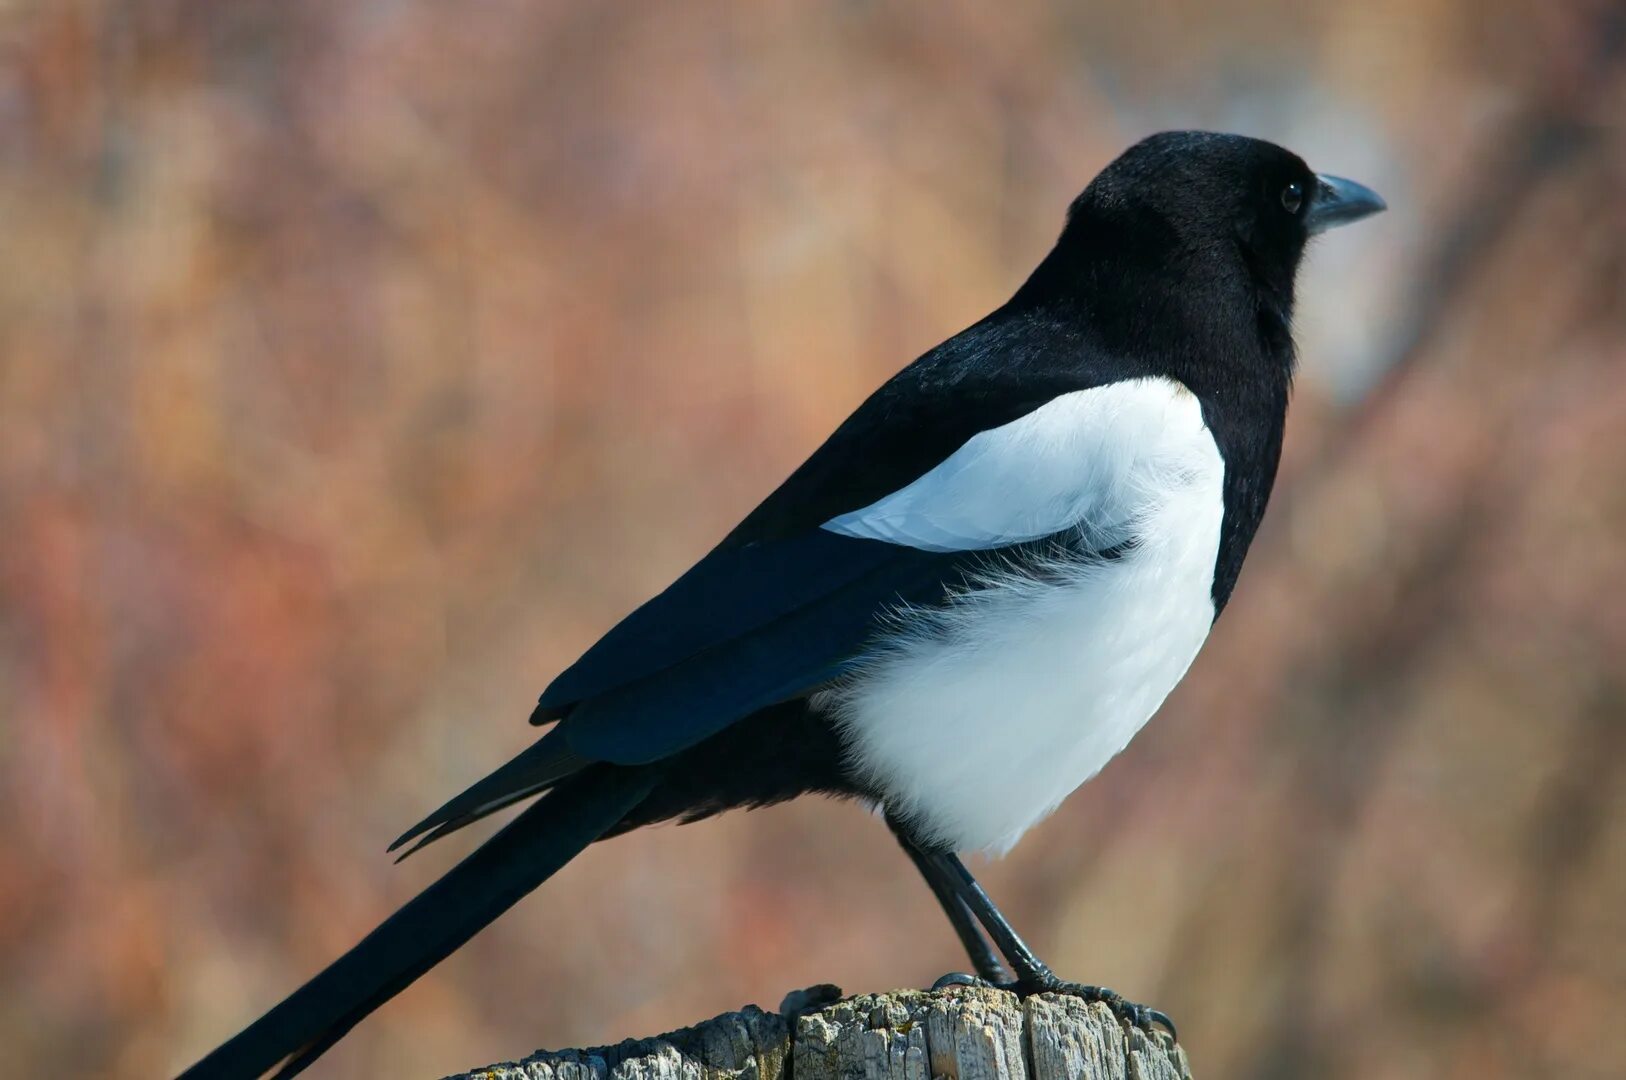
[
  {"x": 1218, "y": 193},
  {"x": 1196, "y": 221}
]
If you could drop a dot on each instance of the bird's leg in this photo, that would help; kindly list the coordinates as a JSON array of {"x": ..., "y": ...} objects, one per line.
[
  {"x": 1033, "y": 976},
  {"x": 983, "y": 957}
]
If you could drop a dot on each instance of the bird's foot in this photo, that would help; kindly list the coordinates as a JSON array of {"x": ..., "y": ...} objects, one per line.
[
  {"x": 1141, "y": 1016},
  {"x": 1129, "y": 1012}
]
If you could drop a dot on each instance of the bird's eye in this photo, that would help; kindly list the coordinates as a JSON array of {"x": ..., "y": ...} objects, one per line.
[{"x": 1292, "y": 197}]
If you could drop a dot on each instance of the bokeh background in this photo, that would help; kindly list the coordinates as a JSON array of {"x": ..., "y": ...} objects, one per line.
[{"x": 361, "y": 362}]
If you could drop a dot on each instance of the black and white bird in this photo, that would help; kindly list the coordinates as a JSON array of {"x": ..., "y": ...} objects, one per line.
[{"x": 958, "y": 609}]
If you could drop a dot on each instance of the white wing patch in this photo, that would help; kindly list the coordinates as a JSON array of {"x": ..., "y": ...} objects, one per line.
[
  {"x": 1081, "y": 460},
  {"x": 976, "y": 718}
]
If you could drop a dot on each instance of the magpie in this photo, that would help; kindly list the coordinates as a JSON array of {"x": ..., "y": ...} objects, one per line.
[{"x": 957, "y": 610}]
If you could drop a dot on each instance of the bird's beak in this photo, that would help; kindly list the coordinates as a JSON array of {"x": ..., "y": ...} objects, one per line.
[{"x": 1338, "y": 202}]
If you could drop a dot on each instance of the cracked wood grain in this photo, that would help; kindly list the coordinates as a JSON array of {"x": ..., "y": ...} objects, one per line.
[{"x": 963, "y": 1033}]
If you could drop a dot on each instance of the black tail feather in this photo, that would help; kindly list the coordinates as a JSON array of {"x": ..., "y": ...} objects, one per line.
[
  {"x": 533, "y": 770},
  {"x": 432, "y": 925}
]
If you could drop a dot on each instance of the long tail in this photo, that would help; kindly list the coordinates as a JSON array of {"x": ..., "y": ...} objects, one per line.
[{"x": 432, "y": 925}]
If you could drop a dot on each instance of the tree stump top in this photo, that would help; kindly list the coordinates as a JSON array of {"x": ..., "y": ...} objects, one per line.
[{"x": 961, "y": 1032}]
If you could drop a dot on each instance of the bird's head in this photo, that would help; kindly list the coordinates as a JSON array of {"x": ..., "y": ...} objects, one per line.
[
  {"x": 1194, "y": 216},
  {"x": 1215, "y": 191}
]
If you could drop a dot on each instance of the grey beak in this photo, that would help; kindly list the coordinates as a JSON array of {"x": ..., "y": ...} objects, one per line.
[{"x": 1338, "y": 202}]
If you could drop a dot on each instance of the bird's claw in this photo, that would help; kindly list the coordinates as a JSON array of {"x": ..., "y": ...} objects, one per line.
[
  {"x": 959, "y": 978},
  {"x": 1128, "y": 1012}
]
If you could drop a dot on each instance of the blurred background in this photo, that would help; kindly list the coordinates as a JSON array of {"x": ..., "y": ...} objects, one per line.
[{"x": 360, "y": 363}]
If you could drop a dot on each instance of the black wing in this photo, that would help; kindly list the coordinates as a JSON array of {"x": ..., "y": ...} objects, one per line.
[
  {"x": 778, "y": 570},
  {"x": 762, "y": 653}
]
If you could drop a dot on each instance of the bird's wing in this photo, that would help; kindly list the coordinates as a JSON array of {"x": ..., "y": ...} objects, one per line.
[
  {"x": 781, "y": 559},
  {"x": 784, "y": 604},
  {"x": 761, "y": 621},
  {"x": 747, "y": 627},
  {"x": 980, "y": 447}
]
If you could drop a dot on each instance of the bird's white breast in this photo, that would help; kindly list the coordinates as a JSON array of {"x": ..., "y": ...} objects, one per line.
[{"x": 975, "y": 720}]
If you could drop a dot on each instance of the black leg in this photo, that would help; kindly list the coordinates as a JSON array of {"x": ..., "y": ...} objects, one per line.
[
  {"x": 983, "y": 958},
  {"x": 1029, "y": 968},
  {"x": 1033, "y": 976}
]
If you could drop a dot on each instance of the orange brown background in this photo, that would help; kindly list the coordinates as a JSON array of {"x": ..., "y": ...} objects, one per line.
[{"x": 359, "y": 363}]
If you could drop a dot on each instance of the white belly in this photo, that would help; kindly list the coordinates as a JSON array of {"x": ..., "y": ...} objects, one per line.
[{"x": 974, "y": 721}]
